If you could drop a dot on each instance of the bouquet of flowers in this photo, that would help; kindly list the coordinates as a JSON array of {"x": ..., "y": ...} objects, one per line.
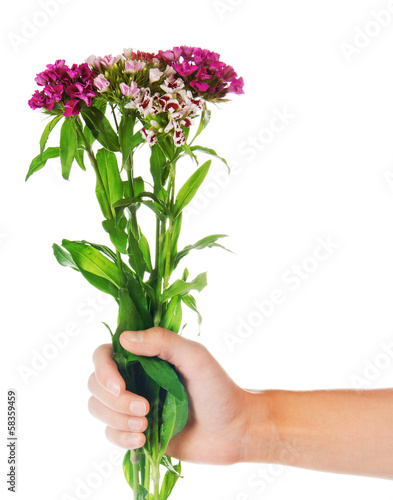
[{"x": 121, "y": 104}]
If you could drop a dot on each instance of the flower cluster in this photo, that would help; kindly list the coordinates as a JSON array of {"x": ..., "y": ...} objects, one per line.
[
  {"x": 65, "y": 88},
  {"x": 203, "y": 72},
  {"x": 166, "y": 89}
]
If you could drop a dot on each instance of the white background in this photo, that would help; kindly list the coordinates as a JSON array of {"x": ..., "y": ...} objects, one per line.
[{"x": 326, "y": 174}]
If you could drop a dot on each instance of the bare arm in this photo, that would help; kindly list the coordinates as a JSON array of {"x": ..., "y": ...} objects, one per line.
[
  {"x": 346, "y": 431},
  {"x": 349, "y": 432}
]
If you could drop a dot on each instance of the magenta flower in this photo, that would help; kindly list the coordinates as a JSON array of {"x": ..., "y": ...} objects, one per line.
[
  {"x": 64, "y": 87},
  {"x": 236, "y": 86}
]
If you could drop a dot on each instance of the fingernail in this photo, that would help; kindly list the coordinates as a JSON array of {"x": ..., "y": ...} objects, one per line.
[
  {"x": 135, "y": 424},
  {"x": 133, "y": 440},
  {"x": 138, "y": 408},
  {"x": 133, "y": 336},
  {"x": 113, "y": 387}
]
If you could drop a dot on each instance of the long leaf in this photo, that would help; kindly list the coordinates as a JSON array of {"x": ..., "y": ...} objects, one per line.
[
  {"x": 135, "y": 255},
  {"x": 207, "y": 242},
  {"x": 100, "y": 128},
  {"x": 190, "y": 302},
  {"x": 174, "y": 418},
  {"x": 47, "y": 130},
  {"x": 40, "y": 160},
  {"x": 157, "y": 162},
  {"x": 210, "y": 152},
  {"x": 173, "y": 315},
  {"x": 92, "y": 261},
  {"x": 205, "y": 119},
  {"x": 64, "y": 258},
  {"x": 181, "y": 287},
  {"x": 109, "y": 171},
  {"x": 169, "y": 482},
  {"x": 188, "y": 190},
  {"x": 126, "y": 136},
  {"x": 68, "y": 146}
]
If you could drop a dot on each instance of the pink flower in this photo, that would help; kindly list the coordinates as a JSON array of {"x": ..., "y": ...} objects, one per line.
[
  {"x": 236, "y": 86},
  {"x": 109, "y": 61},
  {"x": 201, "y": 86},
  {"x": 185, "y": 68},
  {"x": 129, "y": 91},
  {"x": 101, "y": 83},
  {"x": 134, "y": 66},
  {"x": 127, "y": 53},
  {"x": 155, "y": 74},
  {"x": 94, "y": 62},
  {"x": 72, "y": 107}
]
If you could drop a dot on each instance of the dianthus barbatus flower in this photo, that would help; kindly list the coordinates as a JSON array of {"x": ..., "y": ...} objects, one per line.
[
  {"x": 203, "y": 72},
  {"x": 65, "y": 88}
]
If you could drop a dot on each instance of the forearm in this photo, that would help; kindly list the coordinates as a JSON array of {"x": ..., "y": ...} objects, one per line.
[{"x": 344, "y": 431}]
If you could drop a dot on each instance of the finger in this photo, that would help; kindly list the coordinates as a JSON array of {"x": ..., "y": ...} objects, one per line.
[
  {"x": 166, "y": 345},
  {"x": 128, "y": 440},
  {"x": 116, "y": 420},
  {"x": 107, "y": 374},
  {"x": 127, "y": 403}
]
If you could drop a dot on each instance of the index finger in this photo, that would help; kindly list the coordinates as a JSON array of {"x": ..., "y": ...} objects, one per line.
[{"x": 106, "y": 371}]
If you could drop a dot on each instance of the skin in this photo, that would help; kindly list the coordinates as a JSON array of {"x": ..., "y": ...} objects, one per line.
[{"x": 345, "y": 431}]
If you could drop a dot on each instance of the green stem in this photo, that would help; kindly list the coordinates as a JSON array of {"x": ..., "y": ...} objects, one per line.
[
  {"x": 156, "y": 459},
  {"x": 134, "y": 456}
]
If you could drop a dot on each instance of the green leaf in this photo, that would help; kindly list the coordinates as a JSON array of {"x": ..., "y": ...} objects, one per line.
[
  {"x": 135, "y": 255},
  {"x": 127, "y": 469},
  {"x": 110, "y": 175},
  {"x": 205, "y": 119},
  {"x": 91, "y": 260},
  {"x": 40, "y": 160},
  {"x": 208, "y": 242},
  {"x": 188, "y": 150},
  {"x": 100, "y": 128},
  {"x": 64, "y": 258},
  {"x": 144, "y": 246},
  {"x": 68, "y": 146},
  {"x": 188, "y": 190},
  {"x": 181, "y": 287},
  {"x": 169, "y": 482},
  {"x": 173, "y": 315},
  {"x": 101, "y": 284},
  {"x": 79, "y": 158},
  {"x": 174, "y": 418},
  {"x": 126, "y": 136},
  {"x": 157, "y": 162},
  {"x": 167, "y": 462},
  {"x": 138, "y": 296},
  {"x": 102, "y": 248},
  {"x": 47, "y": 130},
  {"x": 210, "y": 152},
  {"x": 117, "y": 234},
  {"x": 139, "y": 186},
  {"x": 190, "y": 302},
  {"x": 157, "y": 369}
]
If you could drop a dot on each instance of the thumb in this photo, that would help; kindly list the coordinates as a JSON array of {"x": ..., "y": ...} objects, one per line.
[{"x": 167, "y": 345}]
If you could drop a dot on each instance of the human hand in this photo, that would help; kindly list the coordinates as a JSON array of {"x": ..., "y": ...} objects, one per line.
[{"x": 217, "y": 430}]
